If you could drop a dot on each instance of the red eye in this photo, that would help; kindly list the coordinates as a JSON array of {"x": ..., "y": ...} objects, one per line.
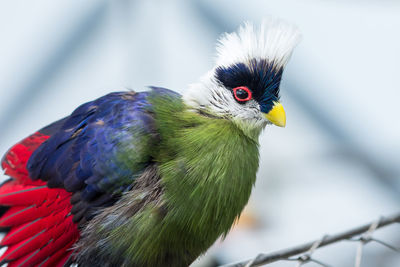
[{"x": 242, "y": 93}]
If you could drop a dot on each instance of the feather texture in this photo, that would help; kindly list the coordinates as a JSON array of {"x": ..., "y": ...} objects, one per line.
[
  {"x": 273, "y": 41},
  {"x": 38, "y": 217},
  {"x": 98, "y": 151}
]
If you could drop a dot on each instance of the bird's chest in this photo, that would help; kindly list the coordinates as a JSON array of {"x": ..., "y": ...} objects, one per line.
[{"x": 208, "y": 185}]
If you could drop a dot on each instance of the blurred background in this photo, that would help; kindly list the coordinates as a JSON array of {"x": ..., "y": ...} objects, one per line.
[{"x": 335, "y": 165}]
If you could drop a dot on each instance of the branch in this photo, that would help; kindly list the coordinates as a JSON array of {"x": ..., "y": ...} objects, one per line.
[{"x": 326, "y": 240}]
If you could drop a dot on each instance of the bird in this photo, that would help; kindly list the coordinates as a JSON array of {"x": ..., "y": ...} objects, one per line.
[{"x": 147, "y": 178}]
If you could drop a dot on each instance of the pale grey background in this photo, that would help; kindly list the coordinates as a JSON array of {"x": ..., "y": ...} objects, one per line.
[{"x": 334, "y": 166}]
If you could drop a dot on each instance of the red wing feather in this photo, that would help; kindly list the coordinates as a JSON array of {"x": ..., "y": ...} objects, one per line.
[
  {"x": 41, "y": 228},
  {"x": 14, "y": 162}
]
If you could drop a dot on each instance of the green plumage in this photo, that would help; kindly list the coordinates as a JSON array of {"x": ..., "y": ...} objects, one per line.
[{"x": 207, "y": 168}]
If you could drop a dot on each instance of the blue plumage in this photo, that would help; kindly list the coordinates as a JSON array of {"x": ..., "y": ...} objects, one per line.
[{"x": 99, "y": 150}]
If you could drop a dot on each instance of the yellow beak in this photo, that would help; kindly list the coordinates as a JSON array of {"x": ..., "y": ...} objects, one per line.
[{"x": 277, "y": 115}]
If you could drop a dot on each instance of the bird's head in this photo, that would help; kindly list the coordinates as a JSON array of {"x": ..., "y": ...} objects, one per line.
[{"x": 244, "y": 84}]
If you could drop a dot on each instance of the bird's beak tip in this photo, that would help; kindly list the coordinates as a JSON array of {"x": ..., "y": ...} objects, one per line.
[{"x": 277, "y": 115}]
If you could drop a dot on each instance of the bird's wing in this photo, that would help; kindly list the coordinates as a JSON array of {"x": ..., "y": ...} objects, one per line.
[
  {"x": 88, "y": 159},
  {"x": 99, "y": 151}
]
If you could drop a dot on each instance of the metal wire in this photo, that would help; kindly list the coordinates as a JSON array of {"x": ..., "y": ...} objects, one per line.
[{"x": 302, "y": 254}]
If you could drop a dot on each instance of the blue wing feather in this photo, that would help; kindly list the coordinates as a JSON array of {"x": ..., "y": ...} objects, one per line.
[{"x": 100, "y": 149}]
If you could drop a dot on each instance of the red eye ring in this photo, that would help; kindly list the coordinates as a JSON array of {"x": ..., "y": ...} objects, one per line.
[{"x": 247, "y": 90}]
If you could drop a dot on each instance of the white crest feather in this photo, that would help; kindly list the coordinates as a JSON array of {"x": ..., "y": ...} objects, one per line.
[{"x": 273, "y": 41}]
